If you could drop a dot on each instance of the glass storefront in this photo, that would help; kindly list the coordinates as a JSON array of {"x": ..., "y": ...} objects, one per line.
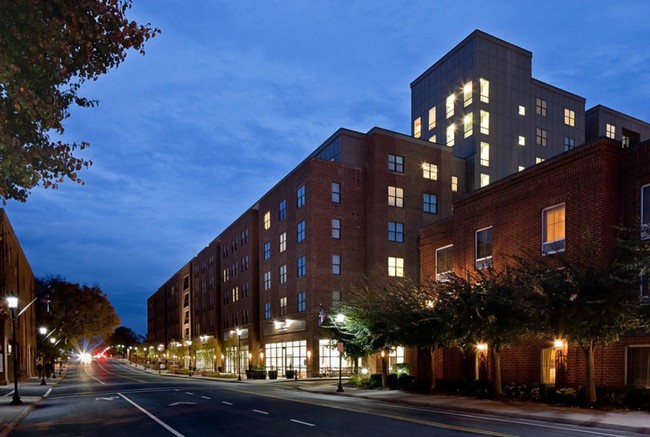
[
  {"x": 329, "y": 354},
  {"x": 230, "y": 359},
  {"x": 286, "y": 355}
]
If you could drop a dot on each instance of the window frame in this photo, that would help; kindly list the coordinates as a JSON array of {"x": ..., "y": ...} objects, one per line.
[
  {"x": 300, "y": 231},
  {"x": 430, "y": 171},
  {"x": 300, "y": 196},
  {"x": 442, "y": 276},
  {"x": 553, "y": 246},
  {"x": 395, "y": 163},
  {"x": 397, "y": 232},
  {"x": 301, "y": 302},
  {"x": 397, "y": 269},
  {"x": 336, "y": 230},
  {"x": 396, "y": 199},
  {"x": 267, "y": 250},
  {"x": 483, "y": 261},
  {"x": 429, "y": 206},
  {"x": 283, "y": 242},
  {"x": 282, "y": 210},
  {"x": 336, "y": 192},
  {"x": 336, "y": 265},
  {"x": 301, "y": 267}
]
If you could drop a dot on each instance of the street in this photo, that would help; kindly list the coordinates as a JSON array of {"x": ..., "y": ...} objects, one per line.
[{"x": 111, "y": 397}]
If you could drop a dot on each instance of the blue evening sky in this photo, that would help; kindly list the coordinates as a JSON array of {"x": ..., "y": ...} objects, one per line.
[{"x": 234, "y": 94}]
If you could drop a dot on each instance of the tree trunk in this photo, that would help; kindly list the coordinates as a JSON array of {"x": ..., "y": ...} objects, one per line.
[
  {"x": 590, "y": 380},
  {"x": 426, "y": 372},
  {"x": 496, "y": 371}
]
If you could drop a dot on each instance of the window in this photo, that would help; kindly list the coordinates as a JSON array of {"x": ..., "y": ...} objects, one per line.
[
  {"x": 485, "y": 122},
  {"x": 485, "y": 180},
  {"x": 484, "y": 84},
  {"x": 444, "y": 262},
  {"x": 267, "y": 280},
  {"x": 235, "y": 294},
  {"x": 433, "y": 138},
  {"x": 336, "y": 229},
  {"x": 336, "y": 192},
  {"x": 395, "y": 266},
  {"x": 396, "y": 163},
  {"x": 283, "y": 242},
  {"x": 553, "y": 220},
  {"x": 522, "y": 140},
  {"x": 267, "y": 220},
  {"x": 645, "y": 212},
  {"x": 569, "y": 143},
  {"x": 302, "y": 303},
  {"x": 300, "y": 196},
  {"x": 449, "y": 105},
  {"x": 395, "y": 197},
  {"x": 283, "y": 210},
  {"x": 300, "y": 233},
  {"x": 336, "y": 297},
  {"x": 467, "y": 94},
  {"x": 396, "y": 232},
  {"x": 429, "y": 171},
  {"x": 483, "y": 248},
  {"x": 540, "y": 107},
  {"x": 625, "y": 141},
  {"x": 450, "y": 135},
  {"x": 283, "y": 274},
  {"x": 301, "y": 267},
  {"x": 454, "y": 183},
  {"x": 336, "y": 264},
  {"x": 417, "y": 127},
  {"x": 521, "y": 168},
  {"x": 569, "y": 117},
  {"x": 267, "y": 310},
  {"x": 283, "y": 306},
  {"x": 432, "y": 118},
  {"x": 638, "y": 366},
  {"x": 541, "y": 136},
  {"x": 485, "y": 154},
  {"x": 539, "y": 159},
  {"x": 468, "y": 126},
  {"x": 610, "y": 131},
  {"x": 522, "y": 110},
  {"x": 430, "y": 203},
  {"x": 244, "y": 289}
]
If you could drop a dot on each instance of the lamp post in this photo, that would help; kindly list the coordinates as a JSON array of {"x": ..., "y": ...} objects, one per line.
[
  {"x": 340, "y": 318},
  {"x": 161, "y": 347},
  {"x": 12, "y": 302},
  {"x": 53, "y": 341},
  {"x": 43, "y": 330},
  {"x": 239, "y": 331},
  {"x": 188, "y": 343}
]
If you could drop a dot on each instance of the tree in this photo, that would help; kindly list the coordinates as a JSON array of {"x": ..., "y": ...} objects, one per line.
[
  {"x": 124, "y": 336},
  {"x": 78, "y": 313},
  {"x": 48, "y": 49}
]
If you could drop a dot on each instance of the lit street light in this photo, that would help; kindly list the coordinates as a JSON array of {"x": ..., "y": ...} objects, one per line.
[
  {"x": 239, "y": 331},
  {"x": 340, "y": 318},
  {"x": 12, "y": 302},
  {"x": 43, "y": 330}
]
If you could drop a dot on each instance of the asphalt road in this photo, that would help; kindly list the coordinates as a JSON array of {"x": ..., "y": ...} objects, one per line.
[{"x": 111, "y": 398}]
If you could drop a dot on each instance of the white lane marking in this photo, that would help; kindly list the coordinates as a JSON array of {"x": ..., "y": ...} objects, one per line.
[
  {"x": 176, "y": 389},
  {"x": 227, "y": 403},
  {"x": 189, "y": 393},
  {"x": 86, "y": 370},
  {"x": 47, "y": 393},
  {"x": 181, "y": 403},
  {"x": 260, "y": 411},
  {"x": 110, "y": 398},
  {"x": 154, "y": 418},
  {"x": 205, "y": 397},
  {"x": 301, "y": 422}
]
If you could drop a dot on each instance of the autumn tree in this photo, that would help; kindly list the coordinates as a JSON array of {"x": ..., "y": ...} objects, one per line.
[{"x": 48, "y": 49}]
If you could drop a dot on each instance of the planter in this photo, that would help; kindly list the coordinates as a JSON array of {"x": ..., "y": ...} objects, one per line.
[
  {"x": 249, "y": 374},
  {"x": 259, "y": 374},
  {"x": 273, "y": 374},
  {"x": 291, "y": 374}
]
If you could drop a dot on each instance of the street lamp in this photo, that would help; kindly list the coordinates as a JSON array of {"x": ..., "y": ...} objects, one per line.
[
  {"x": 53, "y": 341},
  {"x": 12, "y": 302},
  {"x": 161, "y": 347},
  {"x": 239, "y": 331},
  {"x": 340, "y": 318},
  {"x": 43, "y": 330},
  {"x": 188, "y": 343}
]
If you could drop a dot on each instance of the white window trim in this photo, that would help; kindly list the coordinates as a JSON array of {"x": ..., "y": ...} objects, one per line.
[
  {"x": 551, "y": 243},
  {"x": 625, "y": 360},
  {"x": 442, "y": 276},
  {"x": 482, "y": 263}
]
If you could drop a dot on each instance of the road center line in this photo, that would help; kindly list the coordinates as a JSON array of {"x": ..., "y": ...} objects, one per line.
[
  {"x": 260, "y": 411},
  {"x": 301, "y": 422},
  {"x": 227, "y": 403},
  {"x": 154, "y": 418},
  {"x": 47, "y": 393},
  {"x": 205, "y": 397},
  {"x": 88, "y": 373}
]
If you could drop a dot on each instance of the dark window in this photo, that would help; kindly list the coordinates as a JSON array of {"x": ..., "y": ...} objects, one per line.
[
  {"x": 396, "y": 163},
  {"x": 396, "y": 232}
]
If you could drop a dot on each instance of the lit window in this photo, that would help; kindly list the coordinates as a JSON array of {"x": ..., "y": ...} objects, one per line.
[
  {"x": 483, "y": 248},
  {"x": 301, "y": 266},
  {"x": 396, "y": 197},
  {"x": 267, "y": 220},
  {"x": 336, "y": 192},
  {"x": 283, "y": 274},
  {"x": 283, "y": 242},
  {"x": 430, "y": 203},
  {"x": 336, "y": 264},
  {"x": 638, "y": 366},
  {"x": 417, "y": 127},
  {"x": 522, "y": 140},
  {"x": 450, "y": 135},
  {"x": 395, "y": 266},
  {"x": 553, "y": 220},
  {"x": 396, "y": 232},
  {"x": 645, "y": 212},
  {"x": 283, "y": 210},
  {"x": 569, "y": 117},
  {"x": 485, "y": 122},
  {"x": 449, "y": 105},
  {"x": 468, "y": 126},
  {"x": 454, "y": 183},
  {"x": 300, "y": 196},
  {"x": 302, "y": 303},
  {"x": 336, "y": 229},
  {"x": 467, "y": 94},
  {"x": 283, "y": 306},
  {"x": 610, "y": 131},
  {"x": 541, "y": 136},
  {"x": 444, "y": 262},
  {"x": 485, "y": 90},
  {"x": 433, "y": 138},
  {"x": 267, "y": 310},
  {"x": 267, "y": 280},
  {"x": 540, "y": 107},
  {"x": 539, "y": 159},
  {"x": 396, "y": 163},
  {"x": 429, "y": 171},
  {"x": 485, "y": 154},
  {"x": 522, "y": 110},
  {"x": 300, "y": 233},
  {"x": 485, "y": 180},
  {"x": 569, "y": 143},
  {"x": 267, "y": 250},
  {"x": 521, "y": 168},
  {"x": 432, "y": 118}
]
